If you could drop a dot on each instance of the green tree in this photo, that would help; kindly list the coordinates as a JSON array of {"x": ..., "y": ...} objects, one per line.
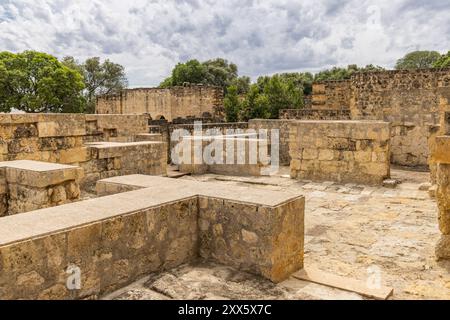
[
  {"x": 100, "y": 78},
  {"x": 192, "y": 71},
  {"x": 255, "y": 105},
  {"x": 282, "y": 95},
  {"x": 220, "y": 72},
  {"x": 232, "y": 104},
  {"x": 216, "y": 72},
  {"x": 443, "y": 61},
  {"x": 37, "y": 82},
  {"x": 418, "y": 60},
  {"x": 302, "y": 81},
  {"x": 242, "y": 84},
  {"x": 167, "y": 83},
  {"x": 339, "y": 73}
]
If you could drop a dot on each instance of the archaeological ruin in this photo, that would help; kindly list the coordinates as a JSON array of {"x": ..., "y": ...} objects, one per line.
[
  {"x": 346, "y": 199},
  {"x": 172, "y": 103}
]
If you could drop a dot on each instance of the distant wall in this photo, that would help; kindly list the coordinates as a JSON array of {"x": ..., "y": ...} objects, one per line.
[
  {"x": 331, "y": 95},
  {"x": 171, "y": 103},
  {"x": 315, "y": 114},
  {"x": 411, "y": 100}
]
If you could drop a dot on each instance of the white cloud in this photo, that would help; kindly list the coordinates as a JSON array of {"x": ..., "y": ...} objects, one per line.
[{"x": 261, "y": 37}]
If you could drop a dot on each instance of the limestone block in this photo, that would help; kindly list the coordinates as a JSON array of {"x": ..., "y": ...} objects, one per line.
[
  {"x": 443, "y": 197},
  {"x": 326, "y": 155},
  {"x": 75, "y": 155},
  {"x": 61, "y": 128},
  {"x": 442, "y": 150},
  {"x": 443, "y": 248}
]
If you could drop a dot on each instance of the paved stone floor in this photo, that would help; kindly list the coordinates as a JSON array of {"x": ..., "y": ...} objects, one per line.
[{"x": 351, "y": 230}]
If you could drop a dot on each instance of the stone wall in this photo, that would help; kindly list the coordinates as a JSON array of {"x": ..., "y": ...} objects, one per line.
[
  {"x": 115, "y": 127},
  {"x": 410, "y": 100},
  {"x": 110, "y": 159},
  {"x": 171, "y": 103},
  {"x": 65, "y": 139},
  {"x": 441, "y": 157},
  {"x": 239, "y": 155},
  {"x": 342, "y": 151},
  {"x": 331, "y": 95},
  {"x": 315, "y": 114},
  {"x": 283, "y": 127},
  {"x": 42, "y": 137},
  {"x": 166, "y": 223},
  {"x": 30, "y": 185},
  {"x": 166, "y": 129}
]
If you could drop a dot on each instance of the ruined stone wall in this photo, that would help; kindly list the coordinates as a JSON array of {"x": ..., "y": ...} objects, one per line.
[
  {"x": 283, "y": 127},
  {"x": 64, "y": 139},
  {"x": 315, "y": 114},
  {"x": 110, "y": 159},
  {"x": 410, "y": 100},
  {"x": 43, "y": 137},
  {"x": 441, "y": 157},
  {"x": 342, "y": 151},
  {"x": 115, "y": 127},
  {"x": 30, "y": 185},
  {"x": 171, "y": 103},
  {"x": 239, "y": 155},
  {"x": 168, "y": 223},
  {"x": 331, "y": 95},
  {"x": 166, "y": 129}
]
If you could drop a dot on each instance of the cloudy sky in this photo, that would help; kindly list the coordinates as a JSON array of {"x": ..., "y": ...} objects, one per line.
[{"x": 260, "y": 36}]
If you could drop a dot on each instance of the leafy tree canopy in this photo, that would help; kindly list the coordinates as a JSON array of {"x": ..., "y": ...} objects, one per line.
[
  {"x": 339, "y": 73},
  {"x": 99, "y": 77},
  {"x": 216, "y": 72},
  {"x": 37, "y": 82},
  {"x": 443, "y": 61},
  {"x": 418, "y": 60}
]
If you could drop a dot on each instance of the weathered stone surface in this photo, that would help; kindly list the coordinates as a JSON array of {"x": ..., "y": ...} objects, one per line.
[
  {"x": 343, "y": 151},
  {"x": 443, "y": 197},
  {"x": 110, "y": 159},
  {"x": 233, "y": 155},
  {"x": 169, "y": 104},
  {"x": 144, "y": 231},
  {"x": 443, "y": 247},
  {"x": 31, "y": 185},
  {"x": 239, "y": 227},
  {"x": 283, "y": 127}
]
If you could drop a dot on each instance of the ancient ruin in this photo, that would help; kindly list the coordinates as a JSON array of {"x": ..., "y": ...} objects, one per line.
[
  {"x": 347, "y": 199},
  {"x": 176, "y": 102}
]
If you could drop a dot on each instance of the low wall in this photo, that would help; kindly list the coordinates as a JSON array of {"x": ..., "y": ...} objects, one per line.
[
  {"x": 240, "y": 155},
  {"x": 283, "y": 127},
  {"x": 166, "y": 130},
  {"x": 81, "y": 250},
  {"x": 31, "y": 185},
  {"x": 115, "y": 127},
  {"x": 315, "y": 114},
  {"x": 441, "y": 156},
  {"x": 64, "y": 139},
  {"x": 110, "y": 159},
  {"x": 342, "y": 151}
]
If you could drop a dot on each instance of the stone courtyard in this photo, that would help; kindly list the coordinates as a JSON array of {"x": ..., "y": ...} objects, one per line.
[{"x": 349, "y": 229}]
